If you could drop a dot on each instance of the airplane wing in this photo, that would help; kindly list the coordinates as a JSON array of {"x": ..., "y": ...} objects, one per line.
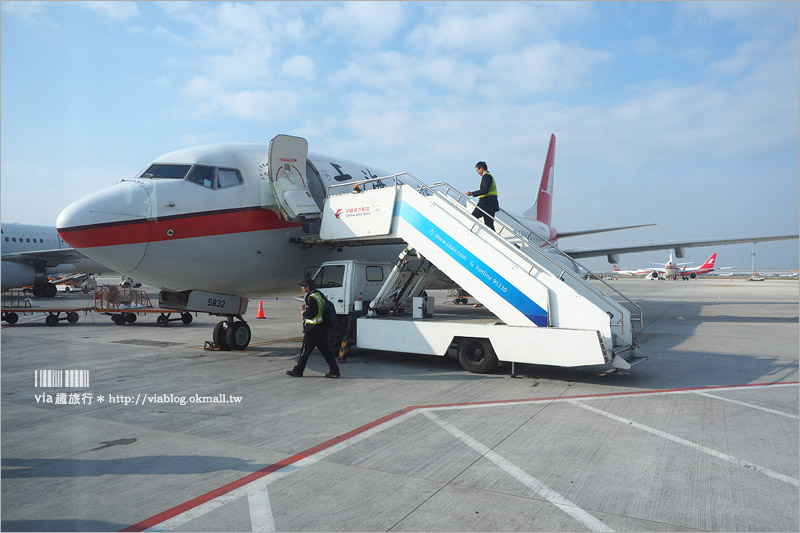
[
  {"x": 48, "y": 258},
  {"x": 613, "y": 251}
]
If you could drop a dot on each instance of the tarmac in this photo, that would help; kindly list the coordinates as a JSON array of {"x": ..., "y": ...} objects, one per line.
[{"x": 157, "y": 433}]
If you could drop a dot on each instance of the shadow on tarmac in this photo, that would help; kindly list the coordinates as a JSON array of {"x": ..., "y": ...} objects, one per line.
[
  {"x": 144, "y": 465},
  {"x": 61, "y": 525}
]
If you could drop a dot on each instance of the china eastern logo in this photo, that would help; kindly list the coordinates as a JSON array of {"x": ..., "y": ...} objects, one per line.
[{"x": 354, "y": 212}]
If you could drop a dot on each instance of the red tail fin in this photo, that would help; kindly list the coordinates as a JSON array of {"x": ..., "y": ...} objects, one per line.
[
  {"x": 616, "y": 268},
  {"x": 544, "y": 201},
  {"x": 710, "y": 261}
]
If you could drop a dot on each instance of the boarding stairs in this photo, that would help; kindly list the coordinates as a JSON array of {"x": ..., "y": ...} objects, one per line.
[{"x": 524, "y": 280}]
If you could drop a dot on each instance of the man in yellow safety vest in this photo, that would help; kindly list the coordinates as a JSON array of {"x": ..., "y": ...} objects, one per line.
[
  {"x": 487, "y": 196},
  {"x": 314, "y": 332}
]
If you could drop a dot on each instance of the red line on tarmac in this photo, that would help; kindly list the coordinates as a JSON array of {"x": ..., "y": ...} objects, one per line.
[{"x": 204, "y": 498}]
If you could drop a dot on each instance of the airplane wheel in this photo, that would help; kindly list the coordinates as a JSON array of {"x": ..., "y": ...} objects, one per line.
[
  {"x": 238, "y": 336},
  {"x": 72, "y": 317},
  {"x": 119, "y": 320},
  {"x": 51, "y": 320},
  {"x": 130, "y": 318},
  {"x": 476, "y": 356},
  {"x": 49, "y": 290},
  {"x": 162, "y": 320},
  {"x": 186, "y": 318},
  {"x": 11, "y": 318},
  {"x": 219, "y": 336}
]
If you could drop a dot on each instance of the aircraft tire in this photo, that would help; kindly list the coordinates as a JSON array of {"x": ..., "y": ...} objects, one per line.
[
  {"x": 476, "y": 356},
  {"x": 238, "y": 336},
  {"x": 219, "y": 336},
  {"x": 49, "y": 290},
  {"x": 72, "y": 317}
]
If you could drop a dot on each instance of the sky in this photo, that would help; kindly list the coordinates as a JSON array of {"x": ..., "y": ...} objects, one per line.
[{"x": 682, "y": 114}]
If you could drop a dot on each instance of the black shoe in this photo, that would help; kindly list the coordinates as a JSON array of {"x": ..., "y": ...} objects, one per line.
[
  {"x": 333, "y": 376},
  {"x": 294, "y": 373}
]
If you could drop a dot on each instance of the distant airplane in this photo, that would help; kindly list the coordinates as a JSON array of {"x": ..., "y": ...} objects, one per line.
[
  {"x": 672, "y": 270},
  {"x": 30, "y": 254},
  {"x": 212, "y": 224},
  {"x": 705, "y": 268}
]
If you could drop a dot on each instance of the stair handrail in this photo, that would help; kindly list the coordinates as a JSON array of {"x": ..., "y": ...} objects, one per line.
[
  {"x": 543, "y": 240},
  {"x": 425, "y": 189}
]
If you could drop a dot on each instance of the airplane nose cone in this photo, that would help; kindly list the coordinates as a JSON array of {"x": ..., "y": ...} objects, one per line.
[{"x": 110, "y": 226}]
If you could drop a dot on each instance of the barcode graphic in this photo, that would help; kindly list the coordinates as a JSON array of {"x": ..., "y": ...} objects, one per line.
[{"x": 61, "y": 378}]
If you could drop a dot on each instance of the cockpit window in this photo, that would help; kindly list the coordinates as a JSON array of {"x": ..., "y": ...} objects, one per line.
[
  {"x": 202, "y": 175},
  {"x": 228, "y": 177},
  {"x": 173, "y": 172}
]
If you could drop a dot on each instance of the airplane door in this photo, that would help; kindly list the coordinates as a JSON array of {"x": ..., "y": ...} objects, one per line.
[{"x": 287, "y": 178}]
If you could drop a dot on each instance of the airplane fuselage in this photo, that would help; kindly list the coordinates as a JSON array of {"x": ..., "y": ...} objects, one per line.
[{"x": 182, "y": 232}]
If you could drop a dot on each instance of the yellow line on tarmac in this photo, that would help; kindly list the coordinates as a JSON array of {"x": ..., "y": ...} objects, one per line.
[{"x": 265, "y": 343}]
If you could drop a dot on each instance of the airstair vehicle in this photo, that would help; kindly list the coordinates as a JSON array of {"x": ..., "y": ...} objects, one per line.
[{"x": 549, "y": 314}]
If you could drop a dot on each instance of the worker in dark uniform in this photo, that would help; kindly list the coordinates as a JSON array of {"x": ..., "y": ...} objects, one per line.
[
  {"x": 314, "y": 333},
  {"x": 487, "y": 196}
]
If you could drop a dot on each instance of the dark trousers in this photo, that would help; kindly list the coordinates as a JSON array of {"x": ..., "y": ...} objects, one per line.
[
  {"x": 316, "y": 337},
  {"x": 491, "y": 206}
]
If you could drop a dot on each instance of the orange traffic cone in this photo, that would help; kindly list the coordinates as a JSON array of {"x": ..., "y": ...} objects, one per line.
[{"x": 260, "y": 310}]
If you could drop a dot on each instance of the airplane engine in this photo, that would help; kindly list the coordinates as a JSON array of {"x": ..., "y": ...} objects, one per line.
[
  {"x": 693, "y": 275},
  {"x": 17, "y": 275}
]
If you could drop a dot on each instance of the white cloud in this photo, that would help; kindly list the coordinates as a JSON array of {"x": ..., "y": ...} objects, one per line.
[
  {"x": 387, "y": 71},
  {"x": 32, "y": 11},
  {"x": 262, "y": 106},
  {"x": 299, "y": 66},
  {"x": 540, "y": 68},
  {"x": 366, "y": 24},
  {"x": 493, "y": 26},
  {"x": 205, "y": 99},
  {"x": 116, "y": 11},
  {"x": 242, "y": 66},
  {"x": 754, "y": 18}
]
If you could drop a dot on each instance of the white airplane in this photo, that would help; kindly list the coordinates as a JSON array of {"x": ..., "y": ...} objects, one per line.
[
  {"x": 672, "y": 270},
  {"x": 30, "y": 254},
  {"x": 212, "y": 224}
]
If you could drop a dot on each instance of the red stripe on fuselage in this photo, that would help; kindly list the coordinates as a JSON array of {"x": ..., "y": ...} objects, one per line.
[{"x": 188, "y": 226}]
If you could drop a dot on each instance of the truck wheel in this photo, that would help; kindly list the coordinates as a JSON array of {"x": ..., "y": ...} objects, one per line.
[
  {"x": 51, "y": 320},
  {"x": 130, "y": 318},
  {"x": 476, "y": 356},
  {"x": 11, "y": 317},
  {"x": 72, "y": 317},
  {"x": 186, "y": 318},
  {"x": 335, "y": 341},
  {"x": 119, "y": 320}
]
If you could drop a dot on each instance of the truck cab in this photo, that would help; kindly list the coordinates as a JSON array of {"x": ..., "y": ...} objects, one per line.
[{"x": 347, "y": 281}]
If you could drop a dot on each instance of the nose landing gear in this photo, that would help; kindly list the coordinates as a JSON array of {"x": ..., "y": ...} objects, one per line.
[{"x": 232, "y": 334}]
